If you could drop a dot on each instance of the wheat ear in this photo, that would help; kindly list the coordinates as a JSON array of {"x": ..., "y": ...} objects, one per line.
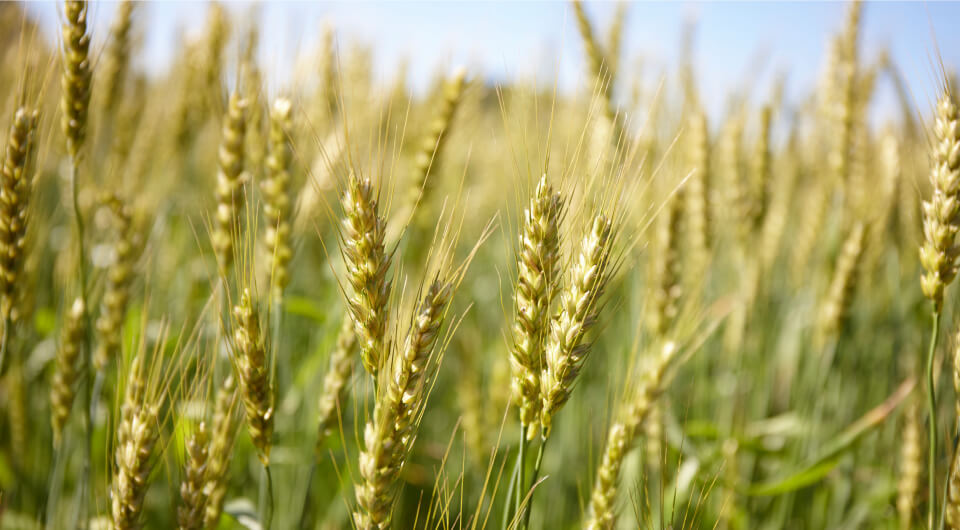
[
  {"x": 941, "y": 213},
  {"x": 220, "y": 452},
  {"x": 697, "y": 193},
  {"x": 431, "y": 147},
  {"x": 15, "y": 191},
  {"x": 335, "y": 381},
  {"x": 193, "y": 499},
  {"x": 75, "y": 81},
  {"x": 253, "y": 371},
  {"x": 389, "y": 435},
  {"x": 113, "y": 308},
  {"x": 137, "y": 434},
  {"x": 230, "y": 178},
  {"x": 621, "y": 437},
  {"x": 63, "y": 389},
  {"x": 844, "y": 281},
  {"x": 367, "y": 269},
  {"x": 116, "y": 58},
  {"x": 910, "y": 477},
  {"x": 565, "y": 349},
  {"x": 538, "y": 266},
  {"x": 276, "y": 194}
]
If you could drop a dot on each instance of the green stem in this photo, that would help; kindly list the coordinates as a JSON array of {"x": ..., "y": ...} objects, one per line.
[
  {"x": 508, "y": 512},
  {"x": 521, "y": 468},
  {"x": 305, "y": 511},
  {"x": 266, "y": 498},
  {"x": 525, "y": 519},
  {"x": 4, "y": 339},
  {"x": 87, "y": 357},
  {"x": 932, "y": 406}
]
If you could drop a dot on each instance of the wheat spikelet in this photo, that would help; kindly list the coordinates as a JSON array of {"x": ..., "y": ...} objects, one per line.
[
  {"x": 276, "y": 194},
  {"x": 15, "y": 191},
  {"x": 63, "y": 387},
  {"x": 192, "y": 498},
  {"x": 911, "y": 464},
  {"x": 538, "y": 265},
  {"x": 620, "y": 440},
  {"x": 113, "y": 308},
  {"x": 335, "y": 381},
  {"x": 75, "y": 80},
  {"x": 253, "y": 371},
  {"x": 843, "y": 283},
  {"x": 230, "y": 179},
  {"x": 941, "y": 214},
  {"x": 389, "y": 435},
  {"x": 367, "y": 268},
  {"x": 565, "y": 349},
  {"x": 220, "y": 452}
]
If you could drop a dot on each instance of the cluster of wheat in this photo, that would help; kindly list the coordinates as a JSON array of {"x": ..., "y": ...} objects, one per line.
[{"x": 233, "y": 301}]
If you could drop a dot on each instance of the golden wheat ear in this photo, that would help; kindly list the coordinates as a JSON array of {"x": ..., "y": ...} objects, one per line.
[{"x": 538, "y": 277}]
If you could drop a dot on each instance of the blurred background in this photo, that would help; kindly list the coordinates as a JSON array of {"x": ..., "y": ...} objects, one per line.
[{"x": 733, "y": 44}]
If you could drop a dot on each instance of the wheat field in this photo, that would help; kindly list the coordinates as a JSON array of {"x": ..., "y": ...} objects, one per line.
[{"x": 330, "y": 300}]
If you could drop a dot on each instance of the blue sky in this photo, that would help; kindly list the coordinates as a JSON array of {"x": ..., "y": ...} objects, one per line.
[{"x": 734, "y": 40}]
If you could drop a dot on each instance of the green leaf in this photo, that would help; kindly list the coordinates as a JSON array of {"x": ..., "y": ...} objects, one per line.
[
  {"x": 305, "y": 307},
  {"x": 834, "y": 449}
]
